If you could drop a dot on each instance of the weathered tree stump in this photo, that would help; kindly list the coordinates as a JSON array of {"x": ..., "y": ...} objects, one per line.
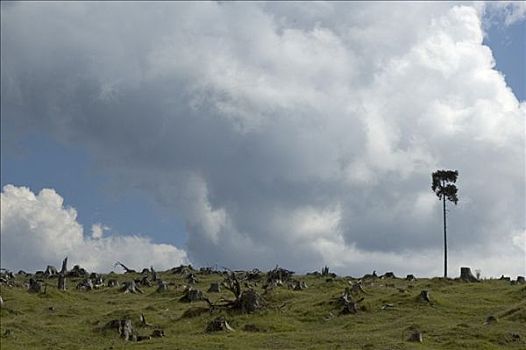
[
  {"x": 154, "y": 274},
  {"x": 191, "y": 295},
  {"x": 388, "y": 275},
  {"x": 325, "y": 271},
  {"x": 253, "y": 275},
  {"x": 35, "y": 286},
  {"x": 182, "y": 269},
  {"x": 349, "y": 305},
  {"x": 64, "y": 269},
  {"x": 490, "y": 320},
  {"x": 466, "y": 275},
  {"x": 368, "y": 276},
  {"x": 77, "y": 271},
  {"x": 157, "y": 333},
  {"x": 144, "y": 281},
  {"x": 191, "y": 279},
  {"x": 424, "y": 296},
  {"x": 218, "y": 324},
  {"x": 215, "y": 287},
  {"x": 162, "y": 286},
  {"x": 415, "y": 336},
  {"x": 279, "y": 274},
  {"x": 113, "y": 283},
  {"x": 124, "y": 328},
  {"x": 61, "y": 282},
  {"x": 51, "y": 271},
  {"x": 86, "y": 284},
  {"x": 249, "y": 301},
  {"x": 357, "y": 288},
  {"x": 410, "y": 278},
  {"x": 130, "y": 287},
  {"x": 521, "y": 280},
  {"x": 98, "y": 282},
  {"x": 299, "y": 285},
  {"x": 143, "y": 321}
]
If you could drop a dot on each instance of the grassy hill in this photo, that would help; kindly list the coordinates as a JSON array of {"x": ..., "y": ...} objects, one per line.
[{"x": 290, "y": 319}]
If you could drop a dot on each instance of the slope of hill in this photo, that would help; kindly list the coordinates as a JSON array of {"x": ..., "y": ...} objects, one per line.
[{"x": 309, "y": 318}]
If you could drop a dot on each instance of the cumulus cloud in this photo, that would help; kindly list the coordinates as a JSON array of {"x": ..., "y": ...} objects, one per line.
[
  {"x": 37, "y": 230},
  {"x": 298, "y": 134}
]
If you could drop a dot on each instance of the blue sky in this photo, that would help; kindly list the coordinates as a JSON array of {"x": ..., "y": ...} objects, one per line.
[{"x": 242, "y": 173}]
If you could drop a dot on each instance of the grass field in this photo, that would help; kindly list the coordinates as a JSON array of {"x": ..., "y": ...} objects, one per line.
[{"x": 304, "y": 319}]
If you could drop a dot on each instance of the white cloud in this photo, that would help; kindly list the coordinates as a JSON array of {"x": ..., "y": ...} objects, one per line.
[
  {"x": 97, "y": 230},
  {"x": 37, "y": 230},
  {"x": 509, "y": 12},
  {"x": 284, "y": 133}
]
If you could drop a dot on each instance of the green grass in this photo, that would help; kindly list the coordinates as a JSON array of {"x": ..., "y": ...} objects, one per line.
[{"x": 306, "y": 319}]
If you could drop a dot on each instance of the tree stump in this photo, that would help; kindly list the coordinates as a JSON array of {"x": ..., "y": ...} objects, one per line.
[
  {"x": 490, "y": 320},
  {"x": 373, "y": 275},
  {"x": 215, "y": 287},
  {"x": 145, "y": 281},
  {"x": 415, "y": 336},
  {"x": 130, "y": 287},
  {"x": 388, "y": 275},
  {"x": 51, "y": 271},
  {"x": 424, "y": 296},
  {"x": 325, "y": 271},
  {"x": 249, "y": 301},
  {"x": 61, "y": 282},
  {"x": 192, "y": 295},
  {"x": 466, "y": 275},
  {"x": 124, "y": 328},
  {"x": 410, "y": 278},
  {"x": 348, "y": 304},
  {"x": 521, "y": 280},
  {"x": 357, "y": 288},
  {"x": 162, "y": 286},
  {"x": 86, "y": 284},
  {"x": 218, "y": 324},
  {"x": 113, "y": 283},
  {"x": 35, "y": 286},
  {"x": 157, "y": 333},
  {"x": 64, "y": 269},
  {"x": 191, "y": 279},
  {"x": 298, "y": 285},
  {"x": 154, "y": 274},
  {"x": 77, "y": 271}
]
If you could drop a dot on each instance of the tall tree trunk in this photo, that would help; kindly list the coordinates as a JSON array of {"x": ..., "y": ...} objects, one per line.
[{"x": 445, "y": 237}]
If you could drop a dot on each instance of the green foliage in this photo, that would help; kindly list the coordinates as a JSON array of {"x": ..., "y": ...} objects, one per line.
[
  {"x": 291, "y": 319},
  {"x": 443, "y": 184}
]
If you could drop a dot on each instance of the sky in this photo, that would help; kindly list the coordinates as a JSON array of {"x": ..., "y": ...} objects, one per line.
[{"x": 251, "y": 134}]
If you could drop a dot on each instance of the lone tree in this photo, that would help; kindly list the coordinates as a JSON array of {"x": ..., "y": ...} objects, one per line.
[{"x": 443, "y": 181}]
